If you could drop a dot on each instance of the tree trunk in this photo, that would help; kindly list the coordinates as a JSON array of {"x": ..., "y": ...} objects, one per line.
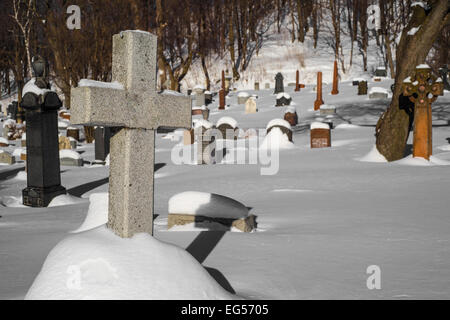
[{"x": 393, "y": 127}]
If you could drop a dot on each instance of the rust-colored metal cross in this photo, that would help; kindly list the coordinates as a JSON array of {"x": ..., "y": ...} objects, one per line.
[{"x": 422, "y": 88}]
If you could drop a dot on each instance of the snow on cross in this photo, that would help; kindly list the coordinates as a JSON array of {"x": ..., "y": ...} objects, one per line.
[{"x": 140, "y": 110}]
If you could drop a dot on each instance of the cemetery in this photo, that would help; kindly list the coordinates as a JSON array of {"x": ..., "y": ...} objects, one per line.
[{"x": 289, "y": 181}]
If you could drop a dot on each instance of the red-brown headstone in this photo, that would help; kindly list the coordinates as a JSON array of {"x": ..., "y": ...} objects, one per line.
[{"x": 335, "y": 79}]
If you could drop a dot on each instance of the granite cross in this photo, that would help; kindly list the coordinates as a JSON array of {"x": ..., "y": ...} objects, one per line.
[
  {"x": 422, "y": 89},
  {"x": 131, "y": 102}
]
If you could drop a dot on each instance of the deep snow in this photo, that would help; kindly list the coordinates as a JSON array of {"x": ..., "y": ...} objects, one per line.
[{"x": 322, "y": 219}]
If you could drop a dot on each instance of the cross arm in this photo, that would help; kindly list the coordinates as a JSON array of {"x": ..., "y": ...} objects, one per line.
[
  {"x": 99, "y": 106},
  {"x": 169, "y": 110}
]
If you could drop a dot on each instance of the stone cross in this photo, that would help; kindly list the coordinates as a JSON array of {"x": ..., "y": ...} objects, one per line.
[
  {"x": 335, "y": 79},
  {"x": 131, "y": 102},
  {"x": 422, "y": 89}
]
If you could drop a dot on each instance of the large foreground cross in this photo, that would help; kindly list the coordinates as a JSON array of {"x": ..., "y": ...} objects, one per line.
[{"x": 134, "y": 104}]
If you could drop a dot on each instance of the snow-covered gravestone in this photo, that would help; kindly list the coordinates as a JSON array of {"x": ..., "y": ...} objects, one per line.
[
  {"x": 209, "y": 210},
  {"x": 132, "y": 102},
  {"x": 320, "y": 135},
  {"x": 6, "y": 157},
  {"x": 228, "y": 127}
]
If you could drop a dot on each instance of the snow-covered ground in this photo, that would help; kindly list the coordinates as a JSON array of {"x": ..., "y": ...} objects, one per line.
[{"x": 322, "y": 219}]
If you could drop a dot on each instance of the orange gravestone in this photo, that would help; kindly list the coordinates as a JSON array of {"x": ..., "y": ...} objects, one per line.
[
  {"x": 298, "y": 85},
  {"x": 335, "y": 79},
  {"x": 422, "y": 88},
  {"x": 319, "y": 100},
  {"x": 222, "y": 99}
]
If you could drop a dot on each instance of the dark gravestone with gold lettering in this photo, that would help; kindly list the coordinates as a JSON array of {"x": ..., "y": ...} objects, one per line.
[{"x": 43, "y": 168}]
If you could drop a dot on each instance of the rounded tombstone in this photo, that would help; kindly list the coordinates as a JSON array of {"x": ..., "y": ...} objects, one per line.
[
  {"x": 4, "y": 142},
  {"x": 73, "y": 132},
  {"x": 227, "y": 126},
  {"x": 290, "y": 115},
  {"x": 283, "y": 125},
  {"x": 250, "y": 106}
]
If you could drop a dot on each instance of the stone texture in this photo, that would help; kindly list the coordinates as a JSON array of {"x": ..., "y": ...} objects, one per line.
[
  {"x": 131, "y": 182},
  {"x": 6, "y": 157},
  {"x": 245, "y": 224},
  {"x": 140, "y": 110}
]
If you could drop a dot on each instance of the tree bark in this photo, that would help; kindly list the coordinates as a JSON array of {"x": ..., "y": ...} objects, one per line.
[{"x": 393, "y": 127}]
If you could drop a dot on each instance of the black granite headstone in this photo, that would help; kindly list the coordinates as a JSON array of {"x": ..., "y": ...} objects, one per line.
[
  {"x": 43, "y": 167},
  {"x": 279, "y": 87}
]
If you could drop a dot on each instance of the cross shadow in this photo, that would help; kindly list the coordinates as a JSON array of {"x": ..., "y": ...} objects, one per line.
[
  {"x": 200, "y": 249},
  {"x": 448, "y": 140},
  {"x": 82, "y": 189}
]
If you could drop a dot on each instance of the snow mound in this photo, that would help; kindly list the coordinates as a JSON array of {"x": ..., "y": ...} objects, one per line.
[
  {"x": 64, "y": 200},
  {"x": 202, "y": 123},
  {"x": 320, "y": 125},
  {"x": 243, "y": 94},
  {"x": 290, "y": 109},
  {"x": 206, "y": 204},
  {"x": 410, "y": 161},
  {"x": 3, "y": 140},
  {"x": 373, "y": 156},
  {"x": 378, "y": 90},
  {"x": 99, "y": 84},
  {"x": 66, "y": 153},
  {"x": 346, "y": 126},
  {"x": 97, "y": 213},
  {"x": 21, "y": 176},
  {"x": 278, "y": 122},
  {"x": 33, "y": 88},
  {"x": 276, "y": 139},
  {"x": 283, "y": 94},
  {"x": 227, "y": 120},
  {"x": 173, "y": 93},
  {"x": 445, "y": 147},
  {"x": 97, "y": 264},
  {"x": 63, "y": 124}
]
